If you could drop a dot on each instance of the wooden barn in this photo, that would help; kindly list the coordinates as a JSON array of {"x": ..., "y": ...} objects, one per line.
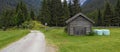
[{"x": 79, "y": 25}]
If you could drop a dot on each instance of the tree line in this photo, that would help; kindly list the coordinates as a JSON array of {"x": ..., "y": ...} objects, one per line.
[
  {"x": 110, "y": 16},
  {"x": 15, "y": 17},
  {"x": 55, "y": 12}
]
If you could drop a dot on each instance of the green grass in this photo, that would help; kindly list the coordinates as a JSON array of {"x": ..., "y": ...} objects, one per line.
[
  {"x": 66, "y": 43},
  {"x": 9, "y": 36}
]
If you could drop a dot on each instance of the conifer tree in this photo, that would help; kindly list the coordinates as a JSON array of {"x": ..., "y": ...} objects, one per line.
[
  {"x": 22, "y": 13},
  {"x": 99, "y": 18},
  {"x": 70, "y": 8},
  {"x": 116, "y": 19},
  {"x": 76, "y": 7},
  {"x": 32, "y": 15},
  {"x": 45, "y": 15},
  {"x": 7, "y": 19},
  {"x": 108, "y": 14},
  {"x": 56, "y": 10},
  {"x": 66, "y": 13}
]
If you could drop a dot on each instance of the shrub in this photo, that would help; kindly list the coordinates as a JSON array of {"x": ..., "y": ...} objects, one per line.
[
  {"x": 65, "y": 29},
  {"x": 91, "y": 34},
  {"x": 32, "y": 25}
]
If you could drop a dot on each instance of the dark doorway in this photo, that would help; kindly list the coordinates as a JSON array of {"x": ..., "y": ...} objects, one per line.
[{"x": 79, "y": 30}]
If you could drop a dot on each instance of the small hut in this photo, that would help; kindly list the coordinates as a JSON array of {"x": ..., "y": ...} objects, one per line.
[{"x": 79, "y": 25}]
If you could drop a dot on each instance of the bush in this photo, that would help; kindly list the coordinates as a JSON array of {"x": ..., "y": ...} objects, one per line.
[
  {"x": 91, "y": 34},
  {"x": 65, "y": 29},
  {"x": 32, "y": 25}
]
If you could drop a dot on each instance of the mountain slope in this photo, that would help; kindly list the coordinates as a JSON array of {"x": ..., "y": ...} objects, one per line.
[
  {"x": 87, "y": 5},
  {"x": 9, "y": 4},
  {"x": 91, "y": 5}
]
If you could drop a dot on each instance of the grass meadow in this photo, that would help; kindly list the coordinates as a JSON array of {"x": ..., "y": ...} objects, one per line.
[
  {"x": 9, "y": 36},
  {"x": 66, "y": 43}
]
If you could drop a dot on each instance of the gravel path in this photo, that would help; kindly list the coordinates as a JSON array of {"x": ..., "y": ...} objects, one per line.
[{"x": 33, "y": 42}]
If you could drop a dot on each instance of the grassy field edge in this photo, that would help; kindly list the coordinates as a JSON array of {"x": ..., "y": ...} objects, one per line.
[
  {"x": 66, "y": 43},
  {"x": 10, "y": 36}
]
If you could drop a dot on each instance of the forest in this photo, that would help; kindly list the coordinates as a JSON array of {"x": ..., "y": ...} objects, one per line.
[{"x": 55, "y": 13}]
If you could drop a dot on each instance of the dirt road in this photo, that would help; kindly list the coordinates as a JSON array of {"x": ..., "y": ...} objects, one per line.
[{"x": 33, "y": 42}]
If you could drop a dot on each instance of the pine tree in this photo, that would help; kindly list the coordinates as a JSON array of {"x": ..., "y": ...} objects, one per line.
[
  {"x": 116, "y": 18},
  {"x": 32, "y": 15},
  {"x": 56, "y": 10},
  {"x": 45, "y": 15},
  {"x": 25, "y": 12},
  {"x": 22, "y": 13},
  {"x": 70, "y": 8},
  {"x": 99, "y": 18},
  {"x": 66, "y": 13},
  {"x": 76, "y": 7},
  {"x": 7, "y": 19},
  {"x": 108, "y": 14}
]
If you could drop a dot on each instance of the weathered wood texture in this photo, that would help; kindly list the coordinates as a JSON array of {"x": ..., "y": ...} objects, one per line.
[{"x": 79, "y": 26}]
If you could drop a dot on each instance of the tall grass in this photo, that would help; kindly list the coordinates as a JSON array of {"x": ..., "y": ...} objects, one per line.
[
  {"x": 9, "y": 36},
  {"x": 66, "y": 43}
]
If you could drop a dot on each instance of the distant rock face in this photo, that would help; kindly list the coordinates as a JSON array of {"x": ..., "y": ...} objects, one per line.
[
  {"x": 10, "y": 4},
  {"x": 82, "y": 2}
]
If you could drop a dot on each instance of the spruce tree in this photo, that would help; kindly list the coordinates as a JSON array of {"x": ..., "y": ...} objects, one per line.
[
  {"x": 66, "y": 13},
  {"x": 99, "y": 18},
  {"x": 25, "y": 12},
  {"x": 76, "y": 7},
  {"x": 70, "y": 8},
  {"x": 22, "y": 13},
  {"x": 45, "y": 15},
  {"x": 117, "y": 14},
  {"x": 108, "y": 15},
  {"x": 7, "y": 19},
  {"x": 32, "y": 15},
  {"x": 56, "y": 10}
]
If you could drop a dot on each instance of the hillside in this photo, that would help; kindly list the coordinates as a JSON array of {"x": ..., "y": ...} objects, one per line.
[
  {"x": 91, "y": 5},
  {"x": 8, "y": 4},
  {"x": 87, "y": 5}
]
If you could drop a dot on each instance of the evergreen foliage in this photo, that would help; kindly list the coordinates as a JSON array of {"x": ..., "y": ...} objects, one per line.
[
  {"x": 32, "y": 15},
  {"x": 108, "y": 15},
  {"x": 45, "y": 15},
  {"x": 76, "y": 7},
  {"x": 22, "y": 13},
  {"x": 15, "y": 17},
  {"x": 70, "y": 8},
  {"x": 99, "y": 18},
  {"x": 6, "y": 20},
  {"x": 66, "y": 13},
  {"x": 55, "y": 12},
  {"x": 116, "y": 19}
]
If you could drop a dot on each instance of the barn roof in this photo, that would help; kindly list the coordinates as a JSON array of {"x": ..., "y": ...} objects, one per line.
[{"x": 79, "y": 14}]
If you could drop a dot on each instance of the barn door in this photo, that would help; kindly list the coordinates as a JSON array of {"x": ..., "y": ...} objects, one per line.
[{"x": 79, "y": 30}]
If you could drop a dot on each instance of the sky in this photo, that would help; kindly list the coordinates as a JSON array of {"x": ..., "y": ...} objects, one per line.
[{"x": 82, "y": 1}]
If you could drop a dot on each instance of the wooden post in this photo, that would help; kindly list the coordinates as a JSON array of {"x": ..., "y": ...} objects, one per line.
[{"x": 45, "y": 26}]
